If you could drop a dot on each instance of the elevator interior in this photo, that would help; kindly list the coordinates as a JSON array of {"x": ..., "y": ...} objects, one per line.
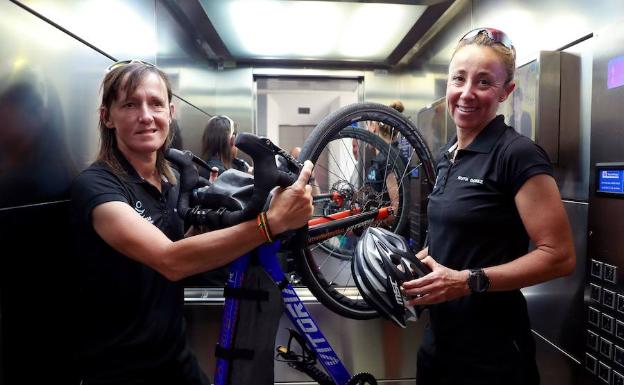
[{"x": 61, "y": 49}]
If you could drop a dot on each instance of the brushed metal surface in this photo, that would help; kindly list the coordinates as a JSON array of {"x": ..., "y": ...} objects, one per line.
[
  {"x": 572, "y": 170},
  {"x": 48, "y": 108},
  {"x": 375, "y": 346},
  {"x": 90, "y": 21},
  {"x": 547, "y": 109},
  {"x": 556, "y": 307},
  {"x": 606, "y": 213}
]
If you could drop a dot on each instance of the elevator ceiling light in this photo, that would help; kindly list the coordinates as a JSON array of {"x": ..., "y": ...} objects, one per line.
[{"x": 315, "y": 30}]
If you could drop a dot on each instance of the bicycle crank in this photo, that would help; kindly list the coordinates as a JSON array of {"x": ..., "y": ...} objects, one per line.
[{"x": 362, "y": 379}]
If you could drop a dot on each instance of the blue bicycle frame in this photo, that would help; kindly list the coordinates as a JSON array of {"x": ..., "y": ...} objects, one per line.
[{"x": 296, "y": 311}]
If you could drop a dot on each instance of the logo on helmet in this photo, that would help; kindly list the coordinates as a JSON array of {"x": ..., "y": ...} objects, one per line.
[{"x": 397, "y": 292}]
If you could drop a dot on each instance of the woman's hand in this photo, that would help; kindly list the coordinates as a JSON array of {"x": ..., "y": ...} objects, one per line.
[
  {"x": 441, "y": 285},
  {"x": 292, "y": 207}
]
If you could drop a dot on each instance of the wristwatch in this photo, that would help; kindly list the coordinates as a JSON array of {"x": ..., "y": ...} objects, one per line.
[{"x": 478, "y": 281}]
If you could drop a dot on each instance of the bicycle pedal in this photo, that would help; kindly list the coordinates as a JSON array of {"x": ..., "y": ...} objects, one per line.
[
  {"x": 288, "y": 355},
  {"x": 294, "y": 279}
]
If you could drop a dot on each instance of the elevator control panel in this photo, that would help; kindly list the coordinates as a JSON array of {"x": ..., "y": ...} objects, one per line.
[
  {"x": 604, "y": 347},
  {"x": 610, "y": 179}
]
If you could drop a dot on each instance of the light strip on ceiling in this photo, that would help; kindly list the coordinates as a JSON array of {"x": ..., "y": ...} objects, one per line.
[{"x": 311, "y": 29}]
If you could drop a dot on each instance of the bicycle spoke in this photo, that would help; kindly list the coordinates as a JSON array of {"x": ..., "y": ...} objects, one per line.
[
  {"x": 330, "y": 171},
  {"x": 349, "y": 154},
  {"x": 326, "y": 259},
  {"x": 339, "y": 272}
]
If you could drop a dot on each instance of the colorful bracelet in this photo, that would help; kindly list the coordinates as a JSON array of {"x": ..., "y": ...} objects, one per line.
[
  {"x": 263, "y": 227},
  {"x": 265, "y": 219}
]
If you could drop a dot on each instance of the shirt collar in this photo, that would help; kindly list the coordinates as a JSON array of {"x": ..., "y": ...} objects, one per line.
[
  {"x": 484, "y": 142},
  {"x": 126, "y": 166},
  {"x": 129, "y": 169}
]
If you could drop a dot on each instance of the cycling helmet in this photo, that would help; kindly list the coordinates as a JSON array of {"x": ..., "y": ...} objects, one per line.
[{"x": 374, "y": 266}]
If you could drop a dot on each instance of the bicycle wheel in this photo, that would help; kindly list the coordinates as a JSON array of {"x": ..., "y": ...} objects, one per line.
[{"x": 348, "y": 160}]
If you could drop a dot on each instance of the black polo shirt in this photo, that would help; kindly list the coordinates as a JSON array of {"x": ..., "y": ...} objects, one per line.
[
  {"x": 130, "y": 316},
  {"x": 474, "y": 222}
]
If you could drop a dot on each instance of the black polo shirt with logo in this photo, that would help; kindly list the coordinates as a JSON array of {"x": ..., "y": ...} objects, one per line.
[
  {"x": 130, "y": 316},
  {"x": 474, "y": 223}
]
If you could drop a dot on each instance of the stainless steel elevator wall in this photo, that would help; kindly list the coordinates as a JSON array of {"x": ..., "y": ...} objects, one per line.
[{"x": 376, "y": 346}]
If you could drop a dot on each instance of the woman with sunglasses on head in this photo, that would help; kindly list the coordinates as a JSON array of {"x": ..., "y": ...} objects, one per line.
[
  {"x": 493, "y": 194},
  {"x": 129, "y": 241},
  {"x": 218, "y": 149}
]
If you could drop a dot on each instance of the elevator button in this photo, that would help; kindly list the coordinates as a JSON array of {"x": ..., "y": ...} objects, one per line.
[
  {"x": 618, "y": 356},
  {"x": 604, "y": 372},
  {"x": 608, "y": 298},
  {"x": 594, "y": 292},
  {"x": 592, "y": 340},
  {"x": 607, "y": 323},
  {"x": 618, "y": 379},
  {"x": 619, "y": 329},
  {"x": 591, "y": 363},
  {"x": 596, "y": 269},
  {"x": 593, "y": 316},
  {"x": 606, "y": 348},
  {"x": 620, "y": 303},
  {"x": 609, "y": 273}
]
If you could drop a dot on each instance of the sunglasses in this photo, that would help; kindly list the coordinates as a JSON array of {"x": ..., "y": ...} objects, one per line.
[
  {"x": 122, "y": 63},
  {"x": 496, "y": 35}
]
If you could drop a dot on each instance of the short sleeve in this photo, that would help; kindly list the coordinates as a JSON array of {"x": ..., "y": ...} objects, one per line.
[
  {"x": 522, "y": 160},
  {"x": 93, "y": 187}
]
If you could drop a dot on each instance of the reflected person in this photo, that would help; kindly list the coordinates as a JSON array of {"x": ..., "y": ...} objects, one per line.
[
  {"x": 218, "y": 149},
  {"x": 520, "y": 119},
  {"x": 35, "y": 165}
]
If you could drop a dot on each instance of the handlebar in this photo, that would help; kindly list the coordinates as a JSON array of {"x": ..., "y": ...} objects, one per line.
[{"x": 195, "y": 210}]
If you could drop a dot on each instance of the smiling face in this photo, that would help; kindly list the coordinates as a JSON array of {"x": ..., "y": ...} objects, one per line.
[
  {"x": 476, "y": 86},
  {"x": 140, "y": 118}
]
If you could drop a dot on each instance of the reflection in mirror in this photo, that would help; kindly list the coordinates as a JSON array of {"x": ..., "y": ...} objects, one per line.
[{"x": 35, "y": 165}]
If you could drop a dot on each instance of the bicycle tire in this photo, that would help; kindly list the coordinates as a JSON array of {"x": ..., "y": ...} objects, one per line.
[{"x": 336, "y": 125}]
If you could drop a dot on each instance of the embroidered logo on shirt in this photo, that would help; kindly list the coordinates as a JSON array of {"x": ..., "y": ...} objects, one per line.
[
  {"x": 138, "y": 207},
  {"x": 470, "y": 180}
]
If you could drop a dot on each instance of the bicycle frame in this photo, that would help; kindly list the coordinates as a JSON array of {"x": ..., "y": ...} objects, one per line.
[
  {"x": 322, "y": 228},
  {"x": 296, "y": 311}
]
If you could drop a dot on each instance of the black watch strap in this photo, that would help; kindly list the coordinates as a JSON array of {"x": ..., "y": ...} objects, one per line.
[{"x": 478, "y": 281}]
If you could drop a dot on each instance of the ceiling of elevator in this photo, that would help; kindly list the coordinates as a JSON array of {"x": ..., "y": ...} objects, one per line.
[{"x": 302, "y": 32}]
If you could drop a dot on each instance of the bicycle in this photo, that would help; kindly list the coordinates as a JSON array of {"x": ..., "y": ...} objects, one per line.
[{"x": 345, "y": 210}]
